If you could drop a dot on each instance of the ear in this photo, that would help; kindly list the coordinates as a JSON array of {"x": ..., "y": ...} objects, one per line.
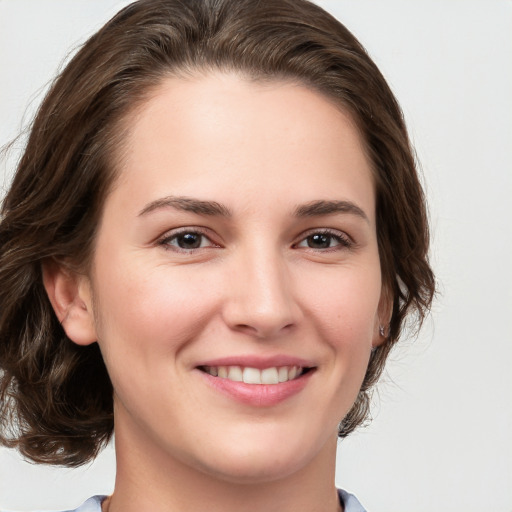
[
  {"x": 71, "y": 298},
  {"x": 383, "y": 317}
]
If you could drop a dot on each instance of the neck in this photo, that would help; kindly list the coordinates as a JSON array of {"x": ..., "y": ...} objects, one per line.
[{"x": 148, "y": 479}]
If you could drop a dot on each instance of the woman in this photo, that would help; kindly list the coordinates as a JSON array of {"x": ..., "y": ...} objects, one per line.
[{"x": 211, "y": 243}]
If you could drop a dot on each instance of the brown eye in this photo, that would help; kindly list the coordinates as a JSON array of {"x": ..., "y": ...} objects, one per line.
[
  {"x": 186, "y": 241},
  {"x": 324, "y": 240},
  {"x": 320, "y": 241},
  {"x": 189, "y": 240}
]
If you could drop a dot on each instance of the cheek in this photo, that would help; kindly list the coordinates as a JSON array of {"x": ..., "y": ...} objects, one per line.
[
  {"x": 345, "y": 314},
  {"x": 147, "y": 319},
  {"x": 147, "y": 313},
  {"x": 345, "y": 302}
]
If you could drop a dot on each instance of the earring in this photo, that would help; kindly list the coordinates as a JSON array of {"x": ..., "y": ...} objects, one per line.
[{"x": 381, "y": 331}]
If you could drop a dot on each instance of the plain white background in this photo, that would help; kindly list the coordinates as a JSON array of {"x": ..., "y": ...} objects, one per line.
[{"x": 440, "y": 438}]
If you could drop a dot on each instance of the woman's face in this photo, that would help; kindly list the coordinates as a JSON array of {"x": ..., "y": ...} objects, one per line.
[{"x": 236, "y": 280}]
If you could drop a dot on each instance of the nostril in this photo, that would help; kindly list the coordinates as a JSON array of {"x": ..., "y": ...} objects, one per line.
[{"x": 264, "y": 329}]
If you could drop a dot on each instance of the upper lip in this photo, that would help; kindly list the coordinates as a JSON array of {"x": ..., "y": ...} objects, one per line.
[{"x": 259, "y": 362}]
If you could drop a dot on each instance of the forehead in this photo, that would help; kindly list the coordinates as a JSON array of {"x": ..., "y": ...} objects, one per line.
[{"x": 225, "y": 135}]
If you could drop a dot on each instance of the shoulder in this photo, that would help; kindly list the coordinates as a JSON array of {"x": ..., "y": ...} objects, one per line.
[
  {"x": 350, "y": 502},
  {"x": 91, "y": 505}
]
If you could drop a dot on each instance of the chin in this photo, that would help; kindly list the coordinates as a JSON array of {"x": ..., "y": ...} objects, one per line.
[
  {"x": 256, "y": 460},
  {"x": 256, "y": 468}
]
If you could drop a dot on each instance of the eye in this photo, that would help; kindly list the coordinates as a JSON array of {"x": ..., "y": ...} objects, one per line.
[
  {"x": 186, "y": 240},
  {"x": 319, "y": 240}
]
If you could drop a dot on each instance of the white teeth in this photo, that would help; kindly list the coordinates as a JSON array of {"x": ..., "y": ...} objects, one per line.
[
  {"x": 248, "y": 375},
  {"x": 282, "y": 374},
  {"x": 252, "y": 376},
  {"x": 269, "y": 376},
  {"x": 235, "y": 373}
]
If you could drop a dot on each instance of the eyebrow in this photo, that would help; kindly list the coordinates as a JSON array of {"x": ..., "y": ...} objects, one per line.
[
  {"x": 323, "y": 207},
  {"x": 213, "y": 208},
  {"x": 188, "y": 204}
]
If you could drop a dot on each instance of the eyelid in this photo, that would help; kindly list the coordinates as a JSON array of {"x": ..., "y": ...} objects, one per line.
[
  {"x": 345, "y": 240},
  {"x": 164, "y": 239}
]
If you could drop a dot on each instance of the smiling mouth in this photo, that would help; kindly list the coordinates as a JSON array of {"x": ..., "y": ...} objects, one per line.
[{"x": 248, "y": 375}]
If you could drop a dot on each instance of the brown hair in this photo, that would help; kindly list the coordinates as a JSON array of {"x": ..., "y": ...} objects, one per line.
[{"x": 57, "y": 396}]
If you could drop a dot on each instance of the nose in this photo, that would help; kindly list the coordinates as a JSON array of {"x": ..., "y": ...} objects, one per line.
[{"x": 260, "y": 296}]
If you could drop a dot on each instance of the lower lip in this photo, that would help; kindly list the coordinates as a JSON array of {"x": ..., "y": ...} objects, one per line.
[{"x": 258, "y": 395}]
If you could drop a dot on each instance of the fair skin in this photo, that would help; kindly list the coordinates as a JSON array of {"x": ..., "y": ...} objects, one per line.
[{"x": 240, "y": 234}]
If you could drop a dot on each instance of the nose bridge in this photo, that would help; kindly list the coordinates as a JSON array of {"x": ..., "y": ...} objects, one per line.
[{"x": 261, "y": 300}]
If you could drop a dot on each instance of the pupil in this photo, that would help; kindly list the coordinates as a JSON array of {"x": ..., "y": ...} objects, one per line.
[
  {"x": 189, "y": 241},
  {"x": 319, "y": 241}
]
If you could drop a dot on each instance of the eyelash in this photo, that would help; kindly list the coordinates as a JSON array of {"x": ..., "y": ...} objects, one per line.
[
  {"x": 168, "y": 238},
  {"x": 343, "y": 240}
]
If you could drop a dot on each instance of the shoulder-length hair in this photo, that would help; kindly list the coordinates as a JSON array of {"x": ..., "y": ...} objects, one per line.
[{"x": 56, "y": 398}]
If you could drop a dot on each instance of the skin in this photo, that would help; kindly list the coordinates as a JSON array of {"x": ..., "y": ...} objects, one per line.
[{"x": 258, "y": 284}]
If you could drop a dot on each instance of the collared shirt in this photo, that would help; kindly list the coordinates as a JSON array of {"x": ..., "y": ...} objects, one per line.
[{"x": 349, "y": 502}]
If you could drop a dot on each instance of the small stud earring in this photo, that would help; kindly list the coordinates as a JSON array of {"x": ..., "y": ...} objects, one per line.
[{"x": 381, "y": 330}]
